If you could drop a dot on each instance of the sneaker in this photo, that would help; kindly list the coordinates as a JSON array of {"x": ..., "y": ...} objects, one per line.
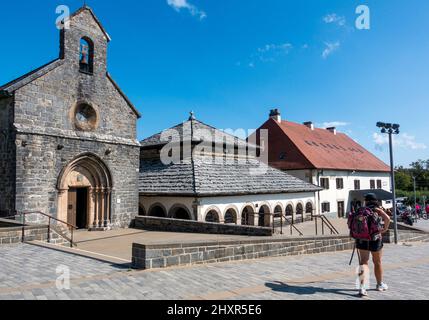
[
  {"x": 363, "y": 292},
  {"x": 382, "y": 287}
]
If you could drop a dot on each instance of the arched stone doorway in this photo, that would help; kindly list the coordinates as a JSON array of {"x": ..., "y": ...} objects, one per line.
[
  {"x": 300, "y": 211},
  {"x": 157, "y": 210},
  {"x": 85, "y": 193},
  {"x": 212, "y": 216},
  {"x": 264, "y": 216},
  {"x": 247, "y": 216},
  {"x": 180, "y": 212},
  {"x": 230, "y": 216},
  {"x": 309, "y": 209}
]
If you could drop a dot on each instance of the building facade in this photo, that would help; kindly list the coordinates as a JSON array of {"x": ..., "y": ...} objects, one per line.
[
  {"x": 340, "y": 166},
  {"x": 214, "y": 182},
  {"x": 68, "y": 143}
]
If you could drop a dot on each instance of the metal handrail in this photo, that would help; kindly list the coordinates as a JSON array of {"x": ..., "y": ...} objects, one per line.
[
  {"x": 325, "y": 221},
  {"x": 69, "y": 225},
  {"x": 291, "y": 223},
  {"x": 329, "y": 223}
]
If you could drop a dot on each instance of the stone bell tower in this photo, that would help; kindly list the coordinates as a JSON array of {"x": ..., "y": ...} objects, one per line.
[{"x": 83, "y": 36}]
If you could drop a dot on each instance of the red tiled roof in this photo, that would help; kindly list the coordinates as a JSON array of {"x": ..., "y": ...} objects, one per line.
[{"x": 326, "y": 150}]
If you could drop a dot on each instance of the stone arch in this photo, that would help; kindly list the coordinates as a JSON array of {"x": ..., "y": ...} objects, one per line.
[
  {"x": 300, "y": 210},
  {"x": 248, "y": 215},
  {"x": 216, "y": 213},
  {"x": 157, "y": 210},
  {"x": 309, "y": 207},
  {"x": 85, "y": 185},
  {"x": 231, "y": 215},
  {"x": 212, "y": 215},
  {"x": 278, "y": 209},
  {"x": 289, "y": 211},
  {"x": 264, "y": 215},
  {"x": 86, "y": 55},
  {"x": 180, "y": 212}
]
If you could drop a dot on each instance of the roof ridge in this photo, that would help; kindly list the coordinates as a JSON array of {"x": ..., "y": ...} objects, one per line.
[
  {"x": 38, "y": 72},
  {"x": 123, "y": 95},
  {"x": 293, "y": 142},
  {"x": 85, "y": 7}
]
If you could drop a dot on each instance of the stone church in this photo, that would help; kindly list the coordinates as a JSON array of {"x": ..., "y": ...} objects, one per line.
[{"x": 68, "y": 143}]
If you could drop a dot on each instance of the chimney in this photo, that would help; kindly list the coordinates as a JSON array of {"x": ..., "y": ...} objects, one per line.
[
  {"x": 309, "y": 125},
  {"x": 275, "y": 115},
  {"x": 332, "y": 129}
]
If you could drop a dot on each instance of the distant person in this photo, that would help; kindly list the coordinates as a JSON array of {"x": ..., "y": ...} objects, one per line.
[
  {"x": 427, "y": 208},
  {"x": 366, "y": 227},
  {"x": 418, "y": 208}
]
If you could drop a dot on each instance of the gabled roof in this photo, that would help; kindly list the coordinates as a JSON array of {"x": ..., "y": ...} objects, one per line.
[
  {"x": 128, "y": 101},
  {"x": 199, "y": 131},
  {"x": 204, "y": 177},
  {"x": 326, "y": 150},
  {"x": 18, "y": 83},
  {"x": 85, "y": 7}
]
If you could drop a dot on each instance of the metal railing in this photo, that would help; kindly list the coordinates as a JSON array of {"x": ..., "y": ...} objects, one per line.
[
  {"x": 50, "y": 226},
  {"x": 291, "y": 222},
  {"x": 325, "y": 223}
]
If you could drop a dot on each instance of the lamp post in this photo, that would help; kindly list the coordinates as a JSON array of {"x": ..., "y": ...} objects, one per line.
[
  {"x": 391, "y": 129},
  {"x": 415, "y": 194}
]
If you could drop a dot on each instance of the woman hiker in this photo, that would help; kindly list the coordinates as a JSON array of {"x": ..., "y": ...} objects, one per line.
[{"x": 374, "y": 248}]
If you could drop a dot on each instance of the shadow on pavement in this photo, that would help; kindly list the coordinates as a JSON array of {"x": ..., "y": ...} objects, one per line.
[{"x": 309, "y": 290}]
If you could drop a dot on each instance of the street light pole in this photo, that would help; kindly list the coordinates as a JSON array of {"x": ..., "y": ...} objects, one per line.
[
  {"x": 392, "y": 177},
  {"x": 415, "y": 194},
  {"x": 392, "y": 129}
]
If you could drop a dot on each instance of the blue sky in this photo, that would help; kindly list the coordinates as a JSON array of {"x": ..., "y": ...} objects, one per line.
[{"x": 232, "y": 61}]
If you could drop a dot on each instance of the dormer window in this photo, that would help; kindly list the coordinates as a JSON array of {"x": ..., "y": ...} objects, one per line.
[{"x": 86, "y": 56}]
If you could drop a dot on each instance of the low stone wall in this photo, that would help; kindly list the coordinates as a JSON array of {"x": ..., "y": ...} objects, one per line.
[
  {"x": 13, "y": 235},
  {"x": 173, "y": 225},
  {"x": 162, "y": 256}
]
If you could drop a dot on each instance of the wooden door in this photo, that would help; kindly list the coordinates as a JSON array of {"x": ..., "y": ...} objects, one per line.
[
  {"x": 341, "y": 209},
  {"x": 71, "y": 206}
]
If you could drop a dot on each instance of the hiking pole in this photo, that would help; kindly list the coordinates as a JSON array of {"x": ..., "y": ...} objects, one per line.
[{"x": 353, "y": 255}]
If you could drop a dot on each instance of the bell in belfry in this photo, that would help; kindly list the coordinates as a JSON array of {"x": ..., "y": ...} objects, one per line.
[{"x": 84, "y": 54}]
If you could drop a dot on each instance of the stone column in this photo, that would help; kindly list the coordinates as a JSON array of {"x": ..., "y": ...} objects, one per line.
[
  {"x": 91, "y": 207},
  {"x": 96, "y": 207},
  {"x": 107, "y": 219},
  {"x": 102, "y": 207}
]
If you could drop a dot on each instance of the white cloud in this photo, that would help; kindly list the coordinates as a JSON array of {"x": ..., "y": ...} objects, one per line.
[
  {"x": 185, "y": 5},
  {"x": 404, "y": 141},
  {"x": 335, "y": 124},
  {"x": 330, "y": 47},
  {"x": 334, "y": 18},
  {"x": 270, "y": 53}
]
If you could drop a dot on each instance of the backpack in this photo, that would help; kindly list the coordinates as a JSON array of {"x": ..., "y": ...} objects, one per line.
[{"x": 365, "y": 224}]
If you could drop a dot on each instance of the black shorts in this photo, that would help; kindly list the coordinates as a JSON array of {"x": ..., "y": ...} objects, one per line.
[{"x": 373, "y": 246}]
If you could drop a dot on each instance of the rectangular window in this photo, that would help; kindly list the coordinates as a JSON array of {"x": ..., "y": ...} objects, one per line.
[
  {"x": 340, "y": 183},
  {"x": 372, "y": 184},
  {"x": 326, "y": 207},
  {"x": 379, "y": 184},
  {"x": 324, "y": 183},
  {"x": 357, "y": 184}
]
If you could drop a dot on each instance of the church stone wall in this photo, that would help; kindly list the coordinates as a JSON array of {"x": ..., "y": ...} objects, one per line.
[
  {"x": 39, "y": 164},
  {"x": 48, "y": 137},
  {"x": 7, "y": 158}
]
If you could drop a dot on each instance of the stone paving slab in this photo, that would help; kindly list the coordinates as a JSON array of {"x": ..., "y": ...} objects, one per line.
[{"x": 29, "y": 272}]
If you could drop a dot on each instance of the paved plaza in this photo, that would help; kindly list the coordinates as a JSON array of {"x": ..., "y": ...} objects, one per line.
[{"x": 30, "y": 272}]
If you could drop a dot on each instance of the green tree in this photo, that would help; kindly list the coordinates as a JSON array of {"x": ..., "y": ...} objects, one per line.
[{"x": 403, "y": 180}]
